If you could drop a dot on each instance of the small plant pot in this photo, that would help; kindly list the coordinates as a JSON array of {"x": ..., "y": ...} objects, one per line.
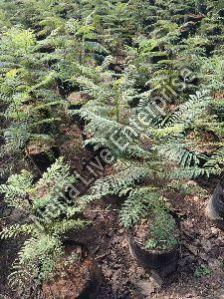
[
  {"x": 215, "y": 207},
  {"x": 81, "y": 280},
  {"x": 160, "y": 263}
]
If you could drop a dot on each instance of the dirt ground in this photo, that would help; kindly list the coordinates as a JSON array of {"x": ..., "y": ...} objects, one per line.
[
  {"x": 201, "y": 267},
  {"x": 200, "y": 272}
]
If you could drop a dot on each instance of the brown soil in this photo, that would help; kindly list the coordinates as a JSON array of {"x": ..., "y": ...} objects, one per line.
[
  {"x": 202, "y": 244},
  {"x": 141, "y": 232},
  {"x": 72, "y": 277}
]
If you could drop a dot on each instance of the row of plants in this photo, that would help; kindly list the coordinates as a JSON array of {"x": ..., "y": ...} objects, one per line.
[{"x": 142, "y": 79}]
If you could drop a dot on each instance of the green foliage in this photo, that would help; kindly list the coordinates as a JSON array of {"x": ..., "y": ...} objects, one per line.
[
  {"x": 48, "y": 214},
  {"x": 32, "y": 105},
  {"x": 202, "y": 271},
  {"x": 126, "y": 62},
  {"x": 138, "y": 205},
  {"x": 146, "y": 203},
  {"x": 162, "y": 232},
  {"x": 155, "y": 67},
  {"x": 35, "y": 264}
]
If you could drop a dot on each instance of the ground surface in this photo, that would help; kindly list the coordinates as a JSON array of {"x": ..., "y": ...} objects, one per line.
[{"x": 200, "y": 273}]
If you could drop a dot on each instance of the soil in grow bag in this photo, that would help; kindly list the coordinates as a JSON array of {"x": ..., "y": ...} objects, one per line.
[{"x": 76, "y": 276}]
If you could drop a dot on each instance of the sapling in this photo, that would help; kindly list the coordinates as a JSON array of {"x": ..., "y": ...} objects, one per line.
[{"x": 46, "y": 219}]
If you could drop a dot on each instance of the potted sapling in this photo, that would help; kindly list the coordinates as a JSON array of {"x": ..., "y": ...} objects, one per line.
[
  {"x": 153, "y": 238},
  {"x": 48, "y": 262}
]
